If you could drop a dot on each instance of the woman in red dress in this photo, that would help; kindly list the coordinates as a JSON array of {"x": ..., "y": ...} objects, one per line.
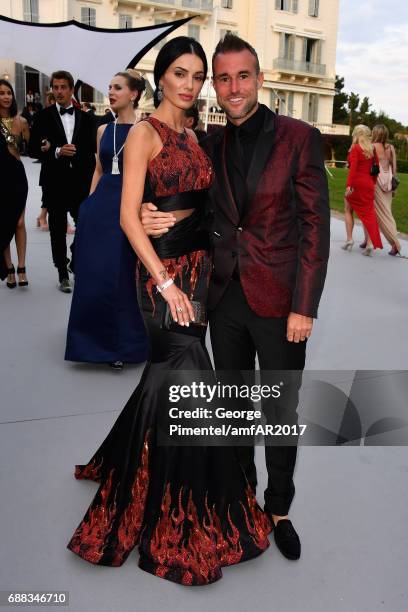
[{"x": 359, "y": 196}]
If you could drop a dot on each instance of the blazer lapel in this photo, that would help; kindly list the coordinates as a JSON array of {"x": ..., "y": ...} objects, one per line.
[
  {"x": 262, "y": 152},
  {"x": 57, "y": 118},
  {"x": 223, "y": 193},
  {"x": 78, "y": 115}
]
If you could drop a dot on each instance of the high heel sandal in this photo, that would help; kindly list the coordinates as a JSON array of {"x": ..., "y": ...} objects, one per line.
[
  {"x": 368, "y": 251},
  {"x": 22, "y": 283},
  {"x": 394, "y": 251},
  {"x": 11, "y": 272},
  {"x": 363, "y": 245},
  {"x": 347, "y": 246}
]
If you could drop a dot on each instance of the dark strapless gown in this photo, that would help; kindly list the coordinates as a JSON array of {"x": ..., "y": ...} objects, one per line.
[
  {"x": 13, "y": 199},
  {"x": 190, "y": 509},
  {"x": 105, "y": 324}
]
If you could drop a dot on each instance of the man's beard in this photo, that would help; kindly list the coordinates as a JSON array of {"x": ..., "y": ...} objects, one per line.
[{"x": 251, "y": 104}]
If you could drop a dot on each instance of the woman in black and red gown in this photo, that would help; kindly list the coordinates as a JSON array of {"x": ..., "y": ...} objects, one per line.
[{"x": 189, "y": 508}]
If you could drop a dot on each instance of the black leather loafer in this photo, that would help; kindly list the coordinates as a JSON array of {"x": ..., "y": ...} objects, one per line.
[{"x": 286, "y": 538}]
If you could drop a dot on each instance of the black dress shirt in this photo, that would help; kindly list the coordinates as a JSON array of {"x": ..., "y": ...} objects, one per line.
[{"x": 240, "y": 147}]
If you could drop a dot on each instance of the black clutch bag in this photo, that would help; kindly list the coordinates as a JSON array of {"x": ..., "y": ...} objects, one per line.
[
  {"x": 394, "y": 183},
  {"x": 195, "y": 328},
  {"x": 375, "y": 169}
]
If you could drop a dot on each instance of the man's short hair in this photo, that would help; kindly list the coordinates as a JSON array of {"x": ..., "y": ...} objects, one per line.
[
  {"x": 63, "y": 74},
  {"x": 231, "y": 43}
]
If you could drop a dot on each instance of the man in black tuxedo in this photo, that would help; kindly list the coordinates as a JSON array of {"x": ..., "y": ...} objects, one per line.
[
  {"x": 64, "y": 139},
  {"x": 271, "y": 237}
]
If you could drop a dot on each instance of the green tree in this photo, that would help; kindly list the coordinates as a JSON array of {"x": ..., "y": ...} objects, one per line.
[
  {"x": 353, "y": 102},
  {"x": 340, "y": 113},
  {"x": 363, "y": 111}
]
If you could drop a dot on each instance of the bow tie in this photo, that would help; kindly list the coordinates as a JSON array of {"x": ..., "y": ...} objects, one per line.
[{"x": 69, "y": 110}]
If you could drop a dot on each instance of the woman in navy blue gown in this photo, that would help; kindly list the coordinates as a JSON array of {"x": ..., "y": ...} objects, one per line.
[{"x": 105, "y": 324}]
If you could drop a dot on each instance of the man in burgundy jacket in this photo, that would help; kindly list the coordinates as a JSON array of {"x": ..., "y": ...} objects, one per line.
[{"x": 271, "y": 235}]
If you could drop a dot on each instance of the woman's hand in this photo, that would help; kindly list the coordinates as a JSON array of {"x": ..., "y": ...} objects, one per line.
[
  {"x": 180, "y": 306},
  {"x": 348, "y": 192}
]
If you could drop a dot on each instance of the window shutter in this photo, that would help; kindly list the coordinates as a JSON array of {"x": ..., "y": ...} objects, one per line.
[
  {"x": 34, "y": 11},
  {"x": 194, "y": 31},
  {"x": 312, "y": 5},
  {"x": 26, "y": 10},
  {"x": 291, "y": 53},
  {"x": 318, "y": 55},
  {"x": 30, "y": 11},
  {"x": 278, "y": 5},
  {"x": 304, "y": 49},
  {"x": 316, "y": 8},
  {"x": 295, "y": 6},
  {"x": 282, "y": 44},
  {"x": 315, "y": 108},
  {"x": 290, "y": 103},
  {"x": 305, "y": 107}
]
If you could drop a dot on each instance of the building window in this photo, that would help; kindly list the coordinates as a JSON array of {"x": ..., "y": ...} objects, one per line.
[
  {"x": 312, "y": 51},
  {"x": 88, "y": 16},
  {"x": 287, "y": 5},
  {"x": 162, "y": 42},
  {"x": 313, "y": 8},
  {"x": 30, "y": 10},
  {"x": 204, "y": 5},
  {"x": 226, "y": 4},
  {"x": 287, "y": 46},
  {"x": 125, "y": 22},
  {"x": 282, "y": 102},
  {"x": 310, "y": 109},
  {"x": 194, "y": 31}
]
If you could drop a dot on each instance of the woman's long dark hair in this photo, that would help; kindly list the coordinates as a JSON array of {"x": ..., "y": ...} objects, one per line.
[
  {"x": 170, "y": 52},
  {"x": 13, "y": 107}
]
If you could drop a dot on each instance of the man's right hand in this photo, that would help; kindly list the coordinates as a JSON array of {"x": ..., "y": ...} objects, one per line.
[
  {"x": 156, "y": 223},
  {"x": 67, "y": 150}
]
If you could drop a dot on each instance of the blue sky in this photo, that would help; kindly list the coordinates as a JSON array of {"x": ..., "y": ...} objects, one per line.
[{"x": 372, "y": 53}]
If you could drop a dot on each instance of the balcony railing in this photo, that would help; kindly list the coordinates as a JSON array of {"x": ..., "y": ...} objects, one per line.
[
  {"x": 197, "y": 5},
  {"x": 335, "y": 129},
  {"x": 281, "y": 63}
]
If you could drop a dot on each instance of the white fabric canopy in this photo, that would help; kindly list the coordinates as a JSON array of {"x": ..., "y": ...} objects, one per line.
[{"x": 92, "y": 55}]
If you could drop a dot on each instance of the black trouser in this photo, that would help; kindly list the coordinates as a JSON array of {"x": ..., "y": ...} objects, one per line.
[
  {"x": 237, "y": 336},
  {"x": 59, "y": 205}
]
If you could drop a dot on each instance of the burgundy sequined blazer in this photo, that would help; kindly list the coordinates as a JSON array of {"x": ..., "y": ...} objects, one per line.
[{"x": 282, "y": 241}]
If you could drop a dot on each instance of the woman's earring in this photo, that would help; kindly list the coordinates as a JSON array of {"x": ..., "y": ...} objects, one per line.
[{"x": 160, "y": 93}]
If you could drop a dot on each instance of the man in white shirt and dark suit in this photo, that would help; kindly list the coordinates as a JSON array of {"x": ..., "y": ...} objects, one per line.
[{"x": 63, "y": 138}]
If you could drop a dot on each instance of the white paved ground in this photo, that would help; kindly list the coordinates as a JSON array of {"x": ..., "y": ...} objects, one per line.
[{"x": 350, "y": 506}]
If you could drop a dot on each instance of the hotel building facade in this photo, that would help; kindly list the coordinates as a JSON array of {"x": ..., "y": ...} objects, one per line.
[{"x": 295, "y": 39}]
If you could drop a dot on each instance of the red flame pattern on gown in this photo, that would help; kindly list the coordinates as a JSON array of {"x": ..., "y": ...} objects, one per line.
[
  {"x": 90, "y": 538},
  {"x": 178, "y": 268}
]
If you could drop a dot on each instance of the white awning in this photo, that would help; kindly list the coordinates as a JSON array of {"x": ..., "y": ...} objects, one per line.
[{"x": 92, "y": 55}]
